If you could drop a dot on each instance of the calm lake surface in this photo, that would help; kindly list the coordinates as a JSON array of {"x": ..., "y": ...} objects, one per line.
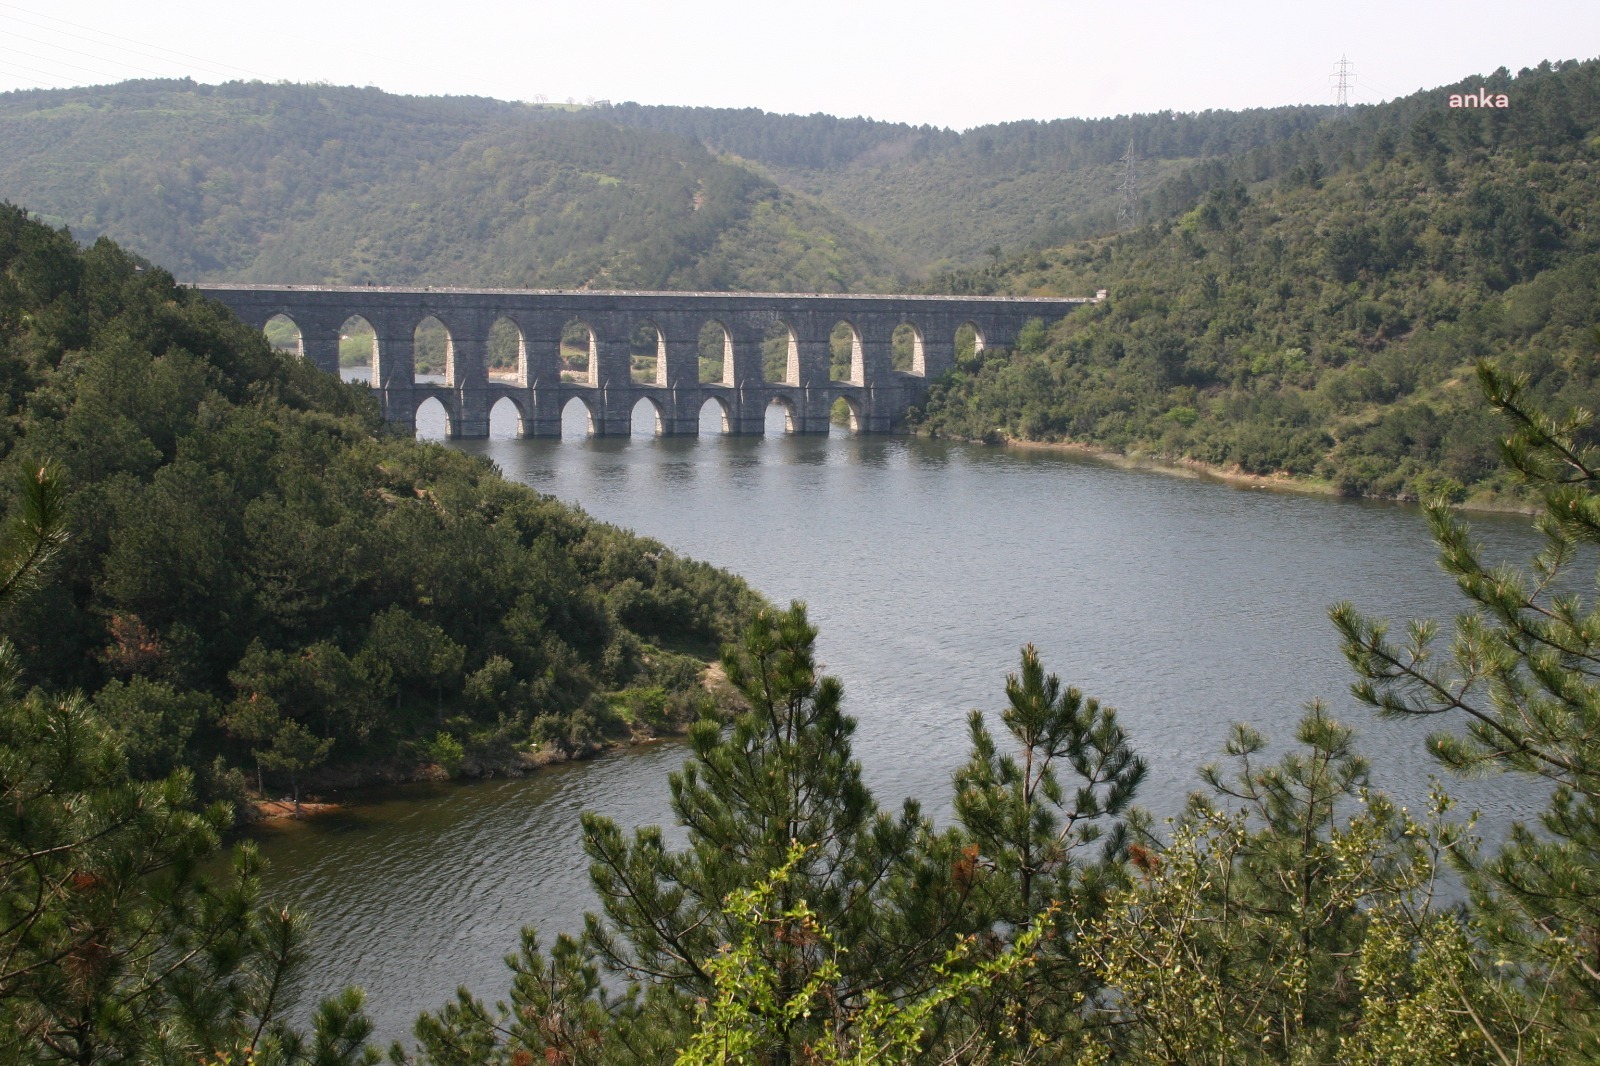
[{"x": 1186, "y": 604}]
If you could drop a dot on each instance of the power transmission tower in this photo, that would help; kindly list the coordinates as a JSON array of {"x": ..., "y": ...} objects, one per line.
[
  {"x": 1343, "y": 77},
  {"x": 1128, "y": 210}
]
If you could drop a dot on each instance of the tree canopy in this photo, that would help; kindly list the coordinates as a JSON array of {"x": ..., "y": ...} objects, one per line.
[
  {"x": 261, "y": 573},
  {"x": 1323, "y": 323}
]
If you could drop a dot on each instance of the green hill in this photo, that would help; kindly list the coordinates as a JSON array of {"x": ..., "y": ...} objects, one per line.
[
  {"x": 256, "y": 562},
  {"x": 1324, "y": 321},
  {"x": 293, "y": 183},
  {"x": 943, "y": 197},
  {"x": 285, "y": 183}
]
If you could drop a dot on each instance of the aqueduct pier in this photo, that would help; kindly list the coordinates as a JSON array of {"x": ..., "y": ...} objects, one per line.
[{"x": 877, "y": 394}]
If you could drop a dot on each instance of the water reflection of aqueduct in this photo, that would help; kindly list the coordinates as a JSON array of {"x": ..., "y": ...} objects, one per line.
[{"x": 756, "y": 327}]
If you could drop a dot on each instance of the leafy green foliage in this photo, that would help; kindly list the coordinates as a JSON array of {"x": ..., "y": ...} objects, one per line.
[
  {"x": 752, "y": 1002},
  {"x": 1217, "y": 953}
]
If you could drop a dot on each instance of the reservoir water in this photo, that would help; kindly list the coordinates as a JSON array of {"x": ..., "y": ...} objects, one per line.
[{"x": 1186, "y": 604}]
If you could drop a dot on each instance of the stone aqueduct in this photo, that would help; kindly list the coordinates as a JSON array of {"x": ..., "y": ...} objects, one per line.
[{"x": 877, "y": 394}]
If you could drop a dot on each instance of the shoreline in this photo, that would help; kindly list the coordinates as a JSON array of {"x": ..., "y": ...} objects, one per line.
[
  {"x": 257, "y": 811},
  {"x": 260, "y": 810},
  {"x": 1198, "y": 470},
  {"x": 273, "y": 810}
]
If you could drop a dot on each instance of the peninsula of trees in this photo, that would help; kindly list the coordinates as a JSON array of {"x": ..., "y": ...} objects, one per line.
[{"x": 260, "y": 578}]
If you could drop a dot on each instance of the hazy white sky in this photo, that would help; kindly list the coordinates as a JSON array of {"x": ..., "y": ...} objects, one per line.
[{"x": 948, "y": 64}]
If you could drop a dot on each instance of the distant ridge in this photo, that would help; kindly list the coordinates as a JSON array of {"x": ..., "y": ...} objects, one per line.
[
  {"x": 319, "y": 184},
  {"x": 316, "y": 184},
  {"x": 248, "y": 181}
]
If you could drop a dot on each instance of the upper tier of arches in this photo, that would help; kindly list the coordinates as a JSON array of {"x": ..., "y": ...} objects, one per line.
[
  {"x": 870, "y": 357},
  {"x": 434, "y": 350}
]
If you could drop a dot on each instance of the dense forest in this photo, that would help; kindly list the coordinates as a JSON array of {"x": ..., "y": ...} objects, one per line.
[
  {"x": 314, "y": 184},
  {"x": 287, "y": 183},
  {"x": 1324, "y": 322},
  {"x": 259, "y": 577},
  {"x": 944, "y": 197}
]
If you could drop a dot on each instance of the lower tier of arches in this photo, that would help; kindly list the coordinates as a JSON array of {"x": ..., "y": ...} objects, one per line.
[{"x": 674, "y": 413}]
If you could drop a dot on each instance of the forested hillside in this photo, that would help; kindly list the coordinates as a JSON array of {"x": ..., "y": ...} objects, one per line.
[
  {"x": 258, "y": 577},
  {"x": 1306, "y": 294},
  {"x": 313, "y": 184},
  {"x": 290, "y": 183},
  {"x": 945, "y": 197},
  {"x": 1324, "y": 321}
]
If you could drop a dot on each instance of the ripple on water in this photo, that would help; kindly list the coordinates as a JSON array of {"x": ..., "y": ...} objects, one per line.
[{"x": 1185, "y": 604}]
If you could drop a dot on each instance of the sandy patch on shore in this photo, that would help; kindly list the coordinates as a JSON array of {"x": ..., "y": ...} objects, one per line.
[
  {"x": 265, "y": 810},
  {"x": 1194, "y": 468}
]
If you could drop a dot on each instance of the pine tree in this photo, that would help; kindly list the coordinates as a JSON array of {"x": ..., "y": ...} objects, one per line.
[
  {"x": 1288, "y": 872},
  {"x": 1522, "y": 674},
  {"x": 295, "y": 749},
  {"x": 1290, "y": 919},
  {"x": 780, "y": 776},
  {"x": 1035, "y": 839},
  {"x": 560, "y": 1012},
  {"x": 115, "y": 946}
]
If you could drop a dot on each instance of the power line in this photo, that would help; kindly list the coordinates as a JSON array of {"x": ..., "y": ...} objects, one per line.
[
  {"x": 1343, "y": 78},
  {"x": 1383, "y": 92},
  {"x": 219, "y": 68},
  {"x": 1128, "y": 210},
  {"x": 76, "y": 52},
  {"x": 24, "y": 77}
]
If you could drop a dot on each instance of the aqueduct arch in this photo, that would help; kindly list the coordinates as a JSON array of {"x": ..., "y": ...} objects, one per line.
[{"x": 543, "y": 348}]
